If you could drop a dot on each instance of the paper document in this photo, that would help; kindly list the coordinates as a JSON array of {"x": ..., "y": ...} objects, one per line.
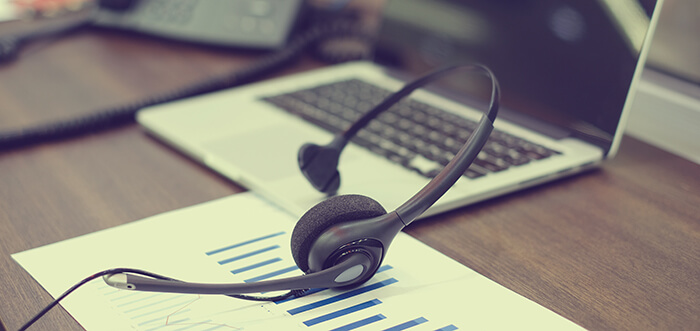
[{"x": 244, "y": 238}]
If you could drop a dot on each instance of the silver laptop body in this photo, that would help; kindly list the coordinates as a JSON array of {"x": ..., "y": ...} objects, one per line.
[{"x": 255, "y": 143}]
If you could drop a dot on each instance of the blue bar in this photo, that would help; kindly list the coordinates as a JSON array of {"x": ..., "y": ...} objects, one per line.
[
  {"x": 162, "y": 318},
  {"x": 193, "y": 325},
  {"x": 162, "y": 309},
  {"x": 315, "y": 290},
  {"x": 272, "y": 274},
  {"x": 126, "y": 295},
  {"x": 256, "y": 265},
  {"x": 342, "y": 312},
  {"x": 243, "y": 256},
  {"x": 409, "y": 324},
  {"x": 154, "y": 303},
  {"x": 360, "y": 323},
  {"x": 309, "y": 292},
  {"x": 384, "y": 268},
  {"x": 244, "y": 243},
  {"x": 114, "y": 291},
  {"x": 340, "y": 297},
  {"x": 164, "y": 325},
  {"x": 215, "y": 327},
  {"x": 138, "y": 300},
  {"x": 447, "y": 328}
]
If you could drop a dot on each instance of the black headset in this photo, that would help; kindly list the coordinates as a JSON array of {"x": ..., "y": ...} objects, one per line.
[{"x": 342, "y": 241}]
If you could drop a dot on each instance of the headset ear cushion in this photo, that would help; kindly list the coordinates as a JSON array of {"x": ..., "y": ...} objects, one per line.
[{"x": 337, "y": 209}]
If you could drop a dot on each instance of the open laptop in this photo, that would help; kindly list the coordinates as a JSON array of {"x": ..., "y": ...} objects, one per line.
[{"x": 567, "y": 71}]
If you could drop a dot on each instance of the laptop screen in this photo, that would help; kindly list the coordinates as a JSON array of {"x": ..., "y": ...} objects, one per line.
[{"x": 569, "y": 63}]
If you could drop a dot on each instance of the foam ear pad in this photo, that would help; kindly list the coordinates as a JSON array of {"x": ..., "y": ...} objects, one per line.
[{"x": 338, "y": 209}]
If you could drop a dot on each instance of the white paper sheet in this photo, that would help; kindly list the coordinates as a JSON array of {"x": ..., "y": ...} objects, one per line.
[{"x": 244, "y": 238}]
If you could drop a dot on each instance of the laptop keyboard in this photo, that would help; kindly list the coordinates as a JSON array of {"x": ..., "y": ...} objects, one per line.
[{"x": 413, "y": 134}]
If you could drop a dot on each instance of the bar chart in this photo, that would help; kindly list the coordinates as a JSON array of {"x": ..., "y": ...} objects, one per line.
[
  {"x": 256, "y": 259},
  {"x": 244, "y": 238}
]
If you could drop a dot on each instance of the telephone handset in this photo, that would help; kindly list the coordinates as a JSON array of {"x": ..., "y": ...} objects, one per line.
[{"x": 258, "y": 24}]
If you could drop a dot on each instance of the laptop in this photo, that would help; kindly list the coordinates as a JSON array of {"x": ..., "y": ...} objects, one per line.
[{"x": 567, "y": 71}]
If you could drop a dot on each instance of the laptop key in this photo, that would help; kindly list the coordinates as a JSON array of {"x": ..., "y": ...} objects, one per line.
[
  {"x": 471, "y": 173},
  {"x": 425, "y": 166}
]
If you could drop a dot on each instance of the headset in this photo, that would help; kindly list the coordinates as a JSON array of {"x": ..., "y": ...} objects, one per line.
[{"x": 342, "y": 241}]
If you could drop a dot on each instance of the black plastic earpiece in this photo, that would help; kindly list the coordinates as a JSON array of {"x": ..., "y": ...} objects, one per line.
[{"x": 319, "y": 164}]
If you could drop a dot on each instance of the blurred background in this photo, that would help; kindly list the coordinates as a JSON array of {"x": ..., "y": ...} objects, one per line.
[
  {"x": 676, "y": 46},
  {"x": 666, "y": 109}
]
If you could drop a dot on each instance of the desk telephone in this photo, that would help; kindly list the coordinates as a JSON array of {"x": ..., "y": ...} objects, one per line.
[{"x": 259, "y": 24}]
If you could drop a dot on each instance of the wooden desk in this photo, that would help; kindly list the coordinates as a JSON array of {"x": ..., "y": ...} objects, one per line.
[{"x": 617, "y": 248}]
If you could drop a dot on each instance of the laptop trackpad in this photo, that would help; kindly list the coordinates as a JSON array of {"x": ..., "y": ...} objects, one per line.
[{"x": 268, "y": 154}]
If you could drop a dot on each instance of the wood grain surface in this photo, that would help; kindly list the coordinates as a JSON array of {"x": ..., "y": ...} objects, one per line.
[{"x": 615, "y": 248}]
